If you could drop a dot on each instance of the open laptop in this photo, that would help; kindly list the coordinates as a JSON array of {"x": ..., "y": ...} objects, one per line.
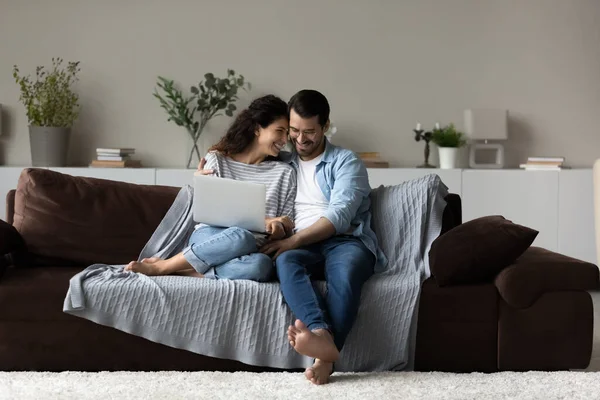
[{"x": 227, "y": 202}]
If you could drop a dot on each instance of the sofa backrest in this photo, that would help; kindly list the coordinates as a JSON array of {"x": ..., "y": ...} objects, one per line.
[
  {"x": 66, "y": 219},
  {"x": 10, "y": 206},
  {"x": 87, "y": 220}
]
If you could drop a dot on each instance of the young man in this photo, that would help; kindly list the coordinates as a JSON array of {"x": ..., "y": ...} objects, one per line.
[{"x": 333, "y": 239}]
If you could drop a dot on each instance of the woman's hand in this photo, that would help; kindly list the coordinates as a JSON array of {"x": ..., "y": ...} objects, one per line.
[
  {"x": 201, "y": 170},
  {"x": 288, "y": 224},
  {"x": 275, "y": 229}
]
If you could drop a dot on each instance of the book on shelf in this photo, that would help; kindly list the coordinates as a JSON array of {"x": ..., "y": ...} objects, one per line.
[
  {"x": 115, "y": 157},
  {"x": 126, "y": 151},
  {"x": 116, "y": 164},
  {"x": 546, "y": 159},
  {"x": 544, "y": 164},
  {"x": 109, "y": 157},
  {"x": 373, "y": 160}
]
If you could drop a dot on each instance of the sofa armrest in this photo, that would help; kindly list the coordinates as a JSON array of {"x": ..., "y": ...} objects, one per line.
[
  {"x": 10, "y": 239},
  {"x": 539, "y": 271},
  {"x": 11, "y": 243}
]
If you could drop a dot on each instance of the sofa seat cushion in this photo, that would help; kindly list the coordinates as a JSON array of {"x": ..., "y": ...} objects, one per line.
[
  {"x": 540, "y": 271},
  {"x": 87, "y": 220},
  {"x": 477, "y": 250},
  {"x": 35, "y": 294}
]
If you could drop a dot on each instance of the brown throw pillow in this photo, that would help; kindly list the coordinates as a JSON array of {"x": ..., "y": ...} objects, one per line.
[{"x": 478, "y": 250}]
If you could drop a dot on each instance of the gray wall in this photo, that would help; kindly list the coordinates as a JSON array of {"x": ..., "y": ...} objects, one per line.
[{"x": 384, "y": 65}]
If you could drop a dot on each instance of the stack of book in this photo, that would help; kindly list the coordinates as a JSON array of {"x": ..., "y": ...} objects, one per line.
[
  {"x": 373, "y": 160},
  {"x": 544, "y": 164},
  {"x": 115, "y": 158}
]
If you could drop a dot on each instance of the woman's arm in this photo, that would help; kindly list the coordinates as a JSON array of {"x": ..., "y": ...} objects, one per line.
[{"x": 287, "y": 211}]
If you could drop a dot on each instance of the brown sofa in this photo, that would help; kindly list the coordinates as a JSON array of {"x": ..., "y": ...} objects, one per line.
[{"x": 535, "y": 314}]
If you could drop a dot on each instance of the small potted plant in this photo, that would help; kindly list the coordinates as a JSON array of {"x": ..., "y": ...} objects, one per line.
[
  {"x": 52, "y": 107},
  {"x": 212, "y": 97},
  {"x": 448, "y": 141}
]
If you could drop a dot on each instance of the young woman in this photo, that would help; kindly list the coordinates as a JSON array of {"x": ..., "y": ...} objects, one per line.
[{"x": 248, "y": 152}]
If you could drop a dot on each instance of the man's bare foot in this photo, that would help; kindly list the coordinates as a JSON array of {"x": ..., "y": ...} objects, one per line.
[
  {"x": 319, "y": 373},
  {"x": 315, "y": 344},
  {"x": 150, "y": 267}
]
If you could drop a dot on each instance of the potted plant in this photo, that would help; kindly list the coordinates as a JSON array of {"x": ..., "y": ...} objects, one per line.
[
  {"x": 448, "y": 140},
  {"x": 52, "y": 107},
  {"x": 208, "y": 99}
]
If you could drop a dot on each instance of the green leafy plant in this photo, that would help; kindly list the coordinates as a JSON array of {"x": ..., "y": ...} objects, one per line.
[
  {"x": 49, "y": 99},
  {"x": 448, "y": 136},
  {"x": 212, "y": 97}
]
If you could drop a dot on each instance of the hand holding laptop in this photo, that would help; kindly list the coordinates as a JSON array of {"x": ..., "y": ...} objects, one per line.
[{"x": 201, "y": 170}]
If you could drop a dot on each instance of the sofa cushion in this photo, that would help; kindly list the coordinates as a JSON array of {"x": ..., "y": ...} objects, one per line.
[
  {"x": 87, "y": 220},
  {"x": 35, "y": 294},
  {"x": 539, "y": 271},
  {"x": 477, "y": 250}
]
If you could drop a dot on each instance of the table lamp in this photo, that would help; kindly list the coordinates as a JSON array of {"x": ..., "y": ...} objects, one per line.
[{"x": 486, "y": 124}]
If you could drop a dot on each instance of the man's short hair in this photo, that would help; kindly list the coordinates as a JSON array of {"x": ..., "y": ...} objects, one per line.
[{"x": 309, "y": 103}]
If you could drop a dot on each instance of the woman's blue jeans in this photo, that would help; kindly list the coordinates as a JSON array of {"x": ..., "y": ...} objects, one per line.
[{"x": 227, "y": 253}]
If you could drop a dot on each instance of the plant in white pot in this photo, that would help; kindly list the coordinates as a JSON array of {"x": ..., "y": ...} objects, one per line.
[
  {"x": 52, "y": 107},
  {"x": 212, "y": 97},
  {"x": 448, "y": 140}
]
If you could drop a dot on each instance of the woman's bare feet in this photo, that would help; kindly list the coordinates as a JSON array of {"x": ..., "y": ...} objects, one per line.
[
  {"x": 319, "y": 373},
  {"x": 156, "y": 266},
  {"x": 315, "y": 344},
  {"x": 148, "y": 266}
]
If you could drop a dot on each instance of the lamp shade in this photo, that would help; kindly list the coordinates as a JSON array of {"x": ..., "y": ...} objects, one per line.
[{"x": 486, "y": 124}]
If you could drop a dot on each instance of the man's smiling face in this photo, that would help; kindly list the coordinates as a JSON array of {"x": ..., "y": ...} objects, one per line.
[{"x": 307, "y": 135}]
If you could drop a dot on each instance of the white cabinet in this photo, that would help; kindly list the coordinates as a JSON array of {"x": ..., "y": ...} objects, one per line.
[
  {"x": 175, "y": 177},
  {"x": 140, "y": 176},
  {"x": 528, "y": 198},
  {"x": 576, "y": 233}
]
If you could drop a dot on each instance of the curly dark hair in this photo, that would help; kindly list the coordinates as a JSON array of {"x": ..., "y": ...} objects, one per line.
[{"x": 263, "y": 111}]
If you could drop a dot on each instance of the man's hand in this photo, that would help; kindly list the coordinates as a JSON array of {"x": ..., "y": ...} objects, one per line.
[
  {"x": 201, "y": 170},
  {"x": 287, "y": 223},
  {"x": 279, "y": 246},
  {"x": 275, "y": 230}
]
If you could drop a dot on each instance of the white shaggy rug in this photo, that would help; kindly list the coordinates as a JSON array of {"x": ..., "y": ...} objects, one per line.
[{"x": 243, "y": 385}]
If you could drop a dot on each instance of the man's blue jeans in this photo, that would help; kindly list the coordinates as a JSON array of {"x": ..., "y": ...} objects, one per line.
[
  {"x": 227, "y": 253},
  {"x": 345, "y": 264}
]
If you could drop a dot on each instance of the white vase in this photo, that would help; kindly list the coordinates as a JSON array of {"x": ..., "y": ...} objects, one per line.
[{"x": 448, "y": 156}]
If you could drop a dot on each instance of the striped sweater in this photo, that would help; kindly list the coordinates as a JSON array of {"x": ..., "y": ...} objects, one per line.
[{"x": 278, "y": 177}]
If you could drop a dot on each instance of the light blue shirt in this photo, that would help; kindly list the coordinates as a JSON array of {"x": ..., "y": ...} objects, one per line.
[{"x": 344, "y": 181}]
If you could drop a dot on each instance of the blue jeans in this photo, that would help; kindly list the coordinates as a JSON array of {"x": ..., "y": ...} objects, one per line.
[
  {"x": 227, "y": 253},
  {"x": 345, "y": 263}
]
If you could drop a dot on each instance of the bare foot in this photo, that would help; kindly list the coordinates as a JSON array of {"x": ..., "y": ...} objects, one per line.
[
  {"x": 319, "y": 373},
  {"x": 190, "y": 272},
  {"x": 315, "y": 344},
  {"x": 148, "y": 268},
  {"x": 151, "y": 259},
  {"x": 157, "y": 266}
]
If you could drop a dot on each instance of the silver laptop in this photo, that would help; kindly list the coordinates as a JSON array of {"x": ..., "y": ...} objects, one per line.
[{"x": 227, "y": 202}]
